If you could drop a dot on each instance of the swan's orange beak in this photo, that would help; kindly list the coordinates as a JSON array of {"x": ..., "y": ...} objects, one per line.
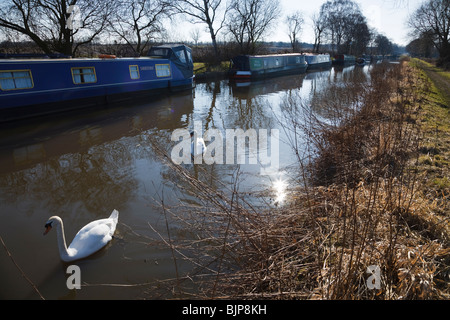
[{"x": 48, "y": 227}]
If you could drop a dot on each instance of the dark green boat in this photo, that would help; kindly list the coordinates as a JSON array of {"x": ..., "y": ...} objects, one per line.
[{"x": 246, "y": 67}]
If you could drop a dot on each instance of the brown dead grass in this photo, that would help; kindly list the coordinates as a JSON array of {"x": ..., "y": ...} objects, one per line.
[{"x": 361, "y": 204}]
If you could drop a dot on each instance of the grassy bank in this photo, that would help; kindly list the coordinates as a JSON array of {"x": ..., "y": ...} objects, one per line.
[
  {"x": 435, "y": 158},
  {"x": 385, "y": 173},
  {"x": 204, "y": 71},
  {"x": 201, "y": 67},
  {"x": 367, "y": 198}
]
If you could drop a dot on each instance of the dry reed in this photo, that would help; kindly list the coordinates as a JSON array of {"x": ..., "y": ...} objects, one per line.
[{"x": 357, "y": 206}]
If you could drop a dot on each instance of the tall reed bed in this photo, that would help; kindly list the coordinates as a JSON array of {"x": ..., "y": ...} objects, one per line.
[{"x": 356, "y": 207}]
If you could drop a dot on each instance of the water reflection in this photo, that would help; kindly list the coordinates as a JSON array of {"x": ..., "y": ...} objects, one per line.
[
  {"x": 79, "y": 134},
  {"x": 83, "y": 165}
]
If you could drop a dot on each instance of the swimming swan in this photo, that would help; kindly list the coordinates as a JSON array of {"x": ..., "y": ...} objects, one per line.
[{"x": 91, "y": 238}]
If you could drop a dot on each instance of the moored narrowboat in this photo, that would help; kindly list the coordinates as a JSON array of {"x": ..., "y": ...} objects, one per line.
[
  {"x": 30, "y": 87},
  {"x": 344, "y": 60},
  {"x": 318, "y": 61},
  {"x": 246, "y": 67}
]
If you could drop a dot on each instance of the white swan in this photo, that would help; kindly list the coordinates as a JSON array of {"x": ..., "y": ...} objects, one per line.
[{"x": 91, "y": 238}]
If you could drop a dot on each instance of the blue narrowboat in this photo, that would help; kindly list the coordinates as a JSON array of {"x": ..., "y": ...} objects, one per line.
[
  {"x": 30, "y": 87},
  {"x": 246, "y": 67},
  {"x": 318, "y": 61}
]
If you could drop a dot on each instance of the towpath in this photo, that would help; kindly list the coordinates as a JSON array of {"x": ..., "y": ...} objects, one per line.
[
  {"x": 435, "y": 160},
  {"x": 440, "y": 78}
]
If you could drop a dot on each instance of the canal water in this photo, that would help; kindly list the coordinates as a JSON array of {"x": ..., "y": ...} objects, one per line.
[{"x": 80, "y": 166}]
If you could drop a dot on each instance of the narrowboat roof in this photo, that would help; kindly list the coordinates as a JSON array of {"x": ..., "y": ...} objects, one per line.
[
  {"x": 171, "y": 45},
  {"x": 60, "y": 58},
  {"x": 72, "y": 60},
  {"x": 317, "y": 54},
  {"x": 272, "y": 55}
]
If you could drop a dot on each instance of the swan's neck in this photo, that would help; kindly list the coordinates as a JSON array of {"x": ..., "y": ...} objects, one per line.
[{"x": 61, "y": 240}]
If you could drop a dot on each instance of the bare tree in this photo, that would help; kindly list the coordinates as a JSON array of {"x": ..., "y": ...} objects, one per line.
[
  {"x": 334, "y": 13},
  {"x": 294, "y": 24},
  {"x": 319, "y": 26},
  {"x": 49, "y": 22},
  {"x": 383, "y": 44},
  {"x": 357, "y": 34},
  {"x": 209, "y": 12},
  {"x": 250, "y": 20},
  {"x": 195, "y": 35},
  {"x": 423, "y": 46},
  {"x": 238, "y": 24},
  {"x": 138, "y": 22},
  {"x": 343, "y": 20},
  {"x": 433, "y": 18}
]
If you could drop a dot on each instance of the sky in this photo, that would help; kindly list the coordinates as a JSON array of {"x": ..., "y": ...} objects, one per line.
[{"x": 388, "y": 17}]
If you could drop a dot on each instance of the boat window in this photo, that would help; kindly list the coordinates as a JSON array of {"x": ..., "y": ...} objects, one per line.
[
  {"x": 16, "y": 79},
  {"x": 189, "y": 54},
  {"x": 134, "y": 72},
  {"x": 159, "y": 52},
  {"x": 162, "y": 70},
  {"x": 84, "y": 75},
  {"x": 180, "y": 55}
]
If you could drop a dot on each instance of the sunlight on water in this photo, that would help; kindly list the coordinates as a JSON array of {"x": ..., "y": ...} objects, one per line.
[{"x": 279, "y": 186}]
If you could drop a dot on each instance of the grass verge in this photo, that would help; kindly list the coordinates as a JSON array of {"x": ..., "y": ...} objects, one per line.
[
  {"x": 434, "y": 159},
  {"x": 201, "y": 67}
]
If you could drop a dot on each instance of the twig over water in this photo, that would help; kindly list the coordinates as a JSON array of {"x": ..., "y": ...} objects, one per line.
[{"x": 21, "y": 271}]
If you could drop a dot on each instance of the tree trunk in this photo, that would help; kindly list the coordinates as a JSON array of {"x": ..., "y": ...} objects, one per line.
[{"x": 213, "y": 39}]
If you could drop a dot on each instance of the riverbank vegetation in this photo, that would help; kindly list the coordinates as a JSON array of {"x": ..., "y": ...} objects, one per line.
[{"x": 370, "y": 195}]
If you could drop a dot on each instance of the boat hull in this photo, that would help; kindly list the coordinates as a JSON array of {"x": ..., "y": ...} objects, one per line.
[
  {"x": 86, "y": 103},
  {"x": 318, "y": 62},
  {"x": 279, "y": 72},
  {"x": 319, "y": 66}
]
